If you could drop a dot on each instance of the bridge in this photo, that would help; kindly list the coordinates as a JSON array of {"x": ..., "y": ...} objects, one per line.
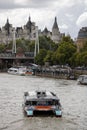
[
  {"x": 7, "y": 59},
  {"x": 26, "y": 55}
]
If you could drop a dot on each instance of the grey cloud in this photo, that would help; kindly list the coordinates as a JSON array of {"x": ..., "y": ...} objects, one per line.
[
  {"x": 11, "y": 4},
  {"x": 59, "y": 7},
  {"x": 75, "y": 11},
  {"x": 6, "y": 4}
]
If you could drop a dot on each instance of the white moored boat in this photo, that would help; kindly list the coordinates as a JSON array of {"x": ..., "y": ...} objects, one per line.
[
  {"x": 17, "y": 70},
  {"x": 82, "y": 79},
  {"x": 20, "y": 70},
  {"x": 41, "y": 101}
]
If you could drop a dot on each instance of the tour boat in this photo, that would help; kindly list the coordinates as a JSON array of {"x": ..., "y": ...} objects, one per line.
[
  {"x": 41, "y": 101},
  {"x": 20, "y": 70},
  {"x": 17, "y": 70},
  {"x": 82, "y": 79}
]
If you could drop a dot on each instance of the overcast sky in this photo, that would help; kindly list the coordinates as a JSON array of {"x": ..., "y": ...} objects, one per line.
[{"x": 71, "y": 14}]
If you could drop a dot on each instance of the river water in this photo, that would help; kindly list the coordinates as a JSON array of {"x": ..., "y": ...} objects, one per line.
[{"x": 73, "y": 98}]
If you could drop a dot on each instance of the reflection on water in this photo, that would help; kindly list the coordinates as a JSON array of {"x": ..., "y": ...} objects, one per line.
[{"x": 73, "y": 98}]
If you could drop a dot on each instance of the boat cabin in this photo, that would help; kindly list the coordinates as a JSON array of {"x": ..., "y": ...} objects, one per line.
[{"x": 42, "y": 101}]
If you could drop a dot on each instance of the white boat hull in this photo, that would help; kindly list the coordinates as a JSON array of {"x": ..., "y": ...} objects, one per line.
[
  {"x": 17, "y": 71},
  {"x": 82, "y": 79}
]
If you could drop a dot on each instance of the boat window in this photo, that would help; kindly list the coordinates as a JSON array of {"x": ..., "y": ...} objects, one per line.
[
  {"x": 10, "y": 70},
  {"x": 15, "y": 70},
  {"x": 46, "y": 103},
  {"x": 43, "y": 94},
  {"x": 55, "y": 102},
  {"x": 80, "y": 78},
  {"x": 85, "y": 77},
  {"x": 28, "y": 103},
  {"x": 41, "y": 103},
  {"x": 38, "y": 93},
  {"x": 49, "y": 102},
  {"x": 34, "y": 102}
]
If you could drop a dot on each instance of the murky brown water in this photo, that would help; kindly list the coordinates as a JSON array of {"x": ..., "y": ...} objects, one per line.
[{"x": 73, "y": 98}]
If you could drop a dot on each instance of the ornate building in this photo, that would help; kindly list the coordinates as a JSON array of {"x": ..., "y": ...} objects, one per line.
[
  {"x": 82, "y": 38},
  {"x": 6, "y": 33},
  {"x": 47, "y": 33},
  {"x": 56, "y": 36},
  {"x": 28, "y": 31}
]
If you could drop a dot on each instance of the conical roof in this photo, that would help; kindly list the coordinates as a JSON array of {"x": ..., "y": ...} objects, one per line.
[
  {"x": 55, "y": 25},
  {"x": 45, "y": 30},
  {"x": 7, "y": 26},
  {"x": 29, "y": 23}
]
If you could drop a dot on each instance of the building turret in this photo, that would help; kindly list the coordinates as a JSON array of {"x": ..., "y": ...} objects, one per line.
[
  {"x": 7, "y": 27},
  {"x": 29, "y": 29},
  {"x": 46, "y": 32},
  {"x": 55, "y": 32},
  {"x": 55, "y": 25},
  {"x": 29, "y": 25}
]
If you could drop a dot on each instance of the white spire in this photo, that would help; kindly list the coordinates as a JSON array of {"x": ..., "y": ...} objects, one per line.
[
  {"x": 14, "y": 43},
  {"x": 36, "y": 42}
]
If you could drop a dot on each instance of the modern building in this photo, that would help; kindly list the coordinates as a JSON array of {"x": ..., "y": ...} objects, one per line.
[{"x": 82, "y": 38}]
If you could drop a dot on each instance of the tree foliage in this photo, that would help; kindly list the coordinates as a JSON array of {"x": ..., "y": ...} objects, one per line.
[
  {"x": 81, "y": 58},
  {"x": 48, "y": 57},
  {"x": 2, "y": 48},
  {"x": 39, "y": 59},
  {"x": 65, "y": 51},
  {"x": 47, "y": 43}
]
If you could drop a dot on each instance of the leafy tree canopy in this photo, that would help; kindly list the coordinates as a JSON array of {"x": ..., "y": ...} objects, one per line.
[
  {"x": 39, "y": 59},
  {"x": 47, "y": 43},
  {"x": 2, "y": 48},
  {"x": 48, "y": 57},
  {"x": 65, "y": 50}
]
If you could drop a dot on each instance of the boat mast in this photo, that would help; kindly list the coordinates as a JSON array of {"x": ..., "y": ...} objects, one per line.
[
  {"x": 36, "y": 42},
  {"x": 14, "y": 43}
]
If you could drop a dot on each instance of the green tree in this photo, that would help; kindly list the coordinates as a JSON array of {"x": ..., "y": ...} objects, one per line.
[
  {"x": 83, "y": 58},
  {"x": 2, "y": 48},
  {"x": 65, "y": 51},
  {"x": 32, "y": 46},
  {"x": 84, "y": 47},
  {"x": 48, "y": 57},
  {"x": 39, "y": 59},
  {"x": 47, "y": 43},
  {"x": 67, "y": 39}
]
